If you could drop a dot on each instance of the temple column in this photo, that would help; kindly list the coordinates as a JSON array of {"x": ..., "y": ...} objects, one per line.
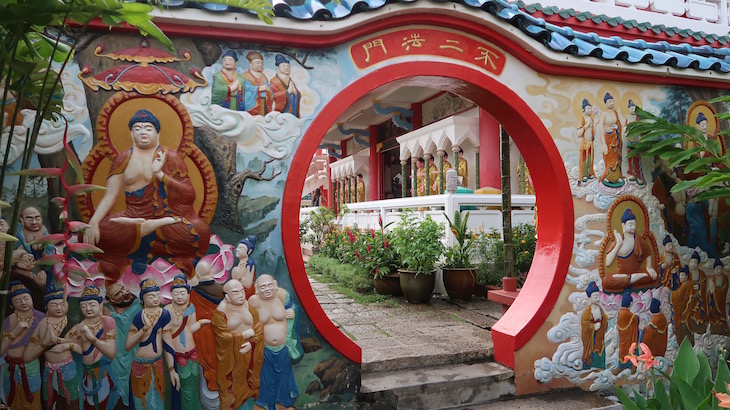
[
  {"x": 441, "y": 171},
  {"x": 427, "y": 180},
  {"x": 332, "y": 194},
  {"x": 353, "y": 184},
  {"x": 404, "y": 184},
  {"x": 455, "y": 150},
  {"x": 476, "y": 173},
  {"x": 414, "y": 177}
]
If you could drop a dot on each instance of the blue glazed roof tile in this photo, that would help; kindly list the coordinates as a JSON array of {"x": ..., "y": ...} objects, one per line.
[{"x": 563, "y": 39}]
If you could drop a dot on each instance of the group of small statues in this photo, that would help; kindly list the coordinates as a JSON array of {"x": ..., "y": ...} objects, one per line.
[
  {"x": 347, "y": 192},
  {"x": 214, "y": 346},
  {"x": 610, "y": 128},
  {"x": 697, "y": 298},
  {"x": 251, "y": 91},
  {"x": 428, "y": 180}
]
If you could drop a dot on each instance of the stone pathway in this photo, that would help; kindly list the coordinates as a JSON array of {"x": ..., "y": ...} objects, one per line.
[{"x": 406, "y": 336}]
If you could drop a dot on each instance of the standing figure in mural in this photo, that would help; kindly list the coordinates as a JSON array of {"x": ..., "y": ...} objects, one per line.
[
  {"x": 159, "y": 219},
  {"x": 276, "y": 311},
  {"x": 628, "y": 329},
  {"x": 360, "y": 188},
  {"x": 634, "y": 170},
  {"x": 285, "y": 93},
  {"x": 60, "y": 386},
  {"x": 655, "y": 332},
  {"x": 433, "y": 176},
  {"x": 258, "y": 98},
  {"x": 183, "y": 325},
  {"x": 586, "y": 133},
  {"x": 610, "y": 128},
  {"x": 697, "y": 320},
  {"x": 147, "y": 379},
  {"x": 593, "y": 329},
  {"x": 670, "y": 265},
  {"x": 21, "y": 381},
  {"x": 717, "y": 285},
  {"x": 206, "y": 296},
  {"x": 96, "y": 342},
  {"x": 697, "y": 215},
  {"x": 633, "y": 256},
  {"x": 227, "y": 89},
  {"x": 684, "y": 303},
  {"x": 419, "y": 185},
  {"x": 123, "y": 310},
  {"x": 239, "y": 347},
  {"x": 245, "y": 271},
  {"x": 463, "y": 170}
]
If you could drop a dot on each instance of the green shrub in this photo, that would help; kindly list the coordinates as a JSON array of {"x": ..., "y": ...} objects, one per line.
[{"x": 351, "y": 276}]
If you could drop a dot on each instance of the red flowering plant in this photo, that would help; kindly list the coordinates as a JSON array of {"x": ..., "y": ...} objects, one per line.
[
  {"x": 691, "y": 385},
  {"x": 377, "y": 257}
]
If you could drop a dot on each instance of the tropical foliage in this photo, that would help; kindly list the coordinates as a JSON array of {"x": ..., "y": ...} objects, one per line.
[
  {"x": 459, "y": 254},
  {"x": 691, "y": 384},
  {"x": 699, "y": 160},
  {"x": 418, "y": 243},
  {"x": 490, "y": 248}
]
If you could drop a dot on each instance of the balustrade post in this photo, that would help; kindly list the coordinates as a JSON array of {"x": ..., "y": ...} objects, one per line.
[{"x": 404, "y": 181}]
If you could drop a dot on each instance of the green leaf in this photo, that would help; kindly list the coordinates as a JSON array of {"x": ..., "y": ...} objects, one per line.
[
  {"x": 77, "y": 270},
  {"x": 660, "y": 393},
  {"x": 83, "y": 248},
  {"x": 50, "y": 260},
  {"x": 4, "y": 204},
  {"x": 7, "y": 238},
  {"x": 723, "y": 377},
  {"x": 626, "y": 400},
  {"x": 690, "y": 397},
  {"x": 74, "y": 162},
  {"x": 80, "y": 189},
  {"x": 39, "y": 172},
  {"x": 52, "y": 239},
  {"x": 704, "y": 374},
  {"x": 686, "y": 365}
]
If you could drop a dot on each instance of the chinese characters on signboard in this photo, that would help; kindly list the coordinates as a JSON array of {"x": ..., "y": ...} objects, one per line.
[{"x": 424, "y": 41}]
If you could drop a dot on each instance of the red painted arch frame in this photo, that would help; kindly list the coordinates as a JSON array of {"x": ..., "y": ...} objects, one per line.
[{"x": 554, "y": 199}]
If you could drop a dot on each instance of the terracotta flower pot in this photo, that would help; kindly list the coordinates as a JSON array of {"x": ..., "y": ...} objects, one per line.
[
  {"x": 388, "y": 285},
  {"x": 460, "y": 282},
  {"x": 416, "y": 288},
  {"x": 509, "y": 284}
]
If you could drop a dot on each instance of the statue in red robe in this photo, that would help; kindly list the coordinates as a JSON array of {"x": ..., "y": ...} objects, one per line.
[
  {"x": 655, "y": 332},
  {"x": 159, "y": 218}
]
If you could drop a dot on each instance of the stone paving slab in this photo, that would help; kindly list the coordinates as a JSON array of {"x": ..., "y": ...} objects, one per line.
[{"x": 401, "y": 335}]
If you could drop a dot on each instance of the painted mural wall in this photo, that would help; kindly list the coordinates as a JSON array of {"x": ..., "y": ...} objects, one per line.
[{"x": 202, "y": 142}]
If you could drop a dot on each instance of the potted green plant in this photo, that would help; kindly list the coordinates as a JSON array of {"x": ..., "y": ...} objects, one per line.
[
  {"x": 418, "y": 246},
  {"x": 459, "y": 272},
  {"x": 378, "y": 258}
]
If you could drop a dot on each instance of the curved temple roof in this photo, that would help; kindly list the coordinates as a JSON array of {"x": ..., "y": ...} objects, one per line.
[{"x": 558, "y": 38}]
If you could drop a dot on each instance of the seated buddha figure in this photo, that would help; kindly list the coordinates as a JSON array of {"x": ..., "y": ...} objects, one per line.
[
  {"x": 630, "y": 257},
  {"x": 159, "y": 218}
]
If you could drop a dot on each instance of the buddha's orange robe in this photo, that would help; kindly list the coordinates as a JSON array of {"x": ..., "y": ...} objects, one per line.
[
  {"x": 628, "y": 332},
  {"x": 238, "y": 375},
  {"x": 655, "y": 334}
]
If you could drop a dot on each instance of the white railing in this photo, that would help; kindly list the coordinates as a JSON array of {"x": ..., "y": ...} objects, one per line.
[
  {"x": 484, "y": 211},
  {"x": 710, "y": 16}
]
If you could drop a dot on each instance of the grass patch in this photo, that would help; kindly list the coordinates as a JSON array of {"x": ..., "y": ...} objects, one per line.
[
  {"x": 349, "y": 280},
  {"x": 457, "y": 318}
]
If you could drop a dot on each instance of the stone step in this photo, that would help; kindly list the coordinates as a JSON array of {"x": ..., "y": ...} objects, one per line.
[
  {"x": 436, "y": 387},
  {"x": 390, "y": 360}
]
